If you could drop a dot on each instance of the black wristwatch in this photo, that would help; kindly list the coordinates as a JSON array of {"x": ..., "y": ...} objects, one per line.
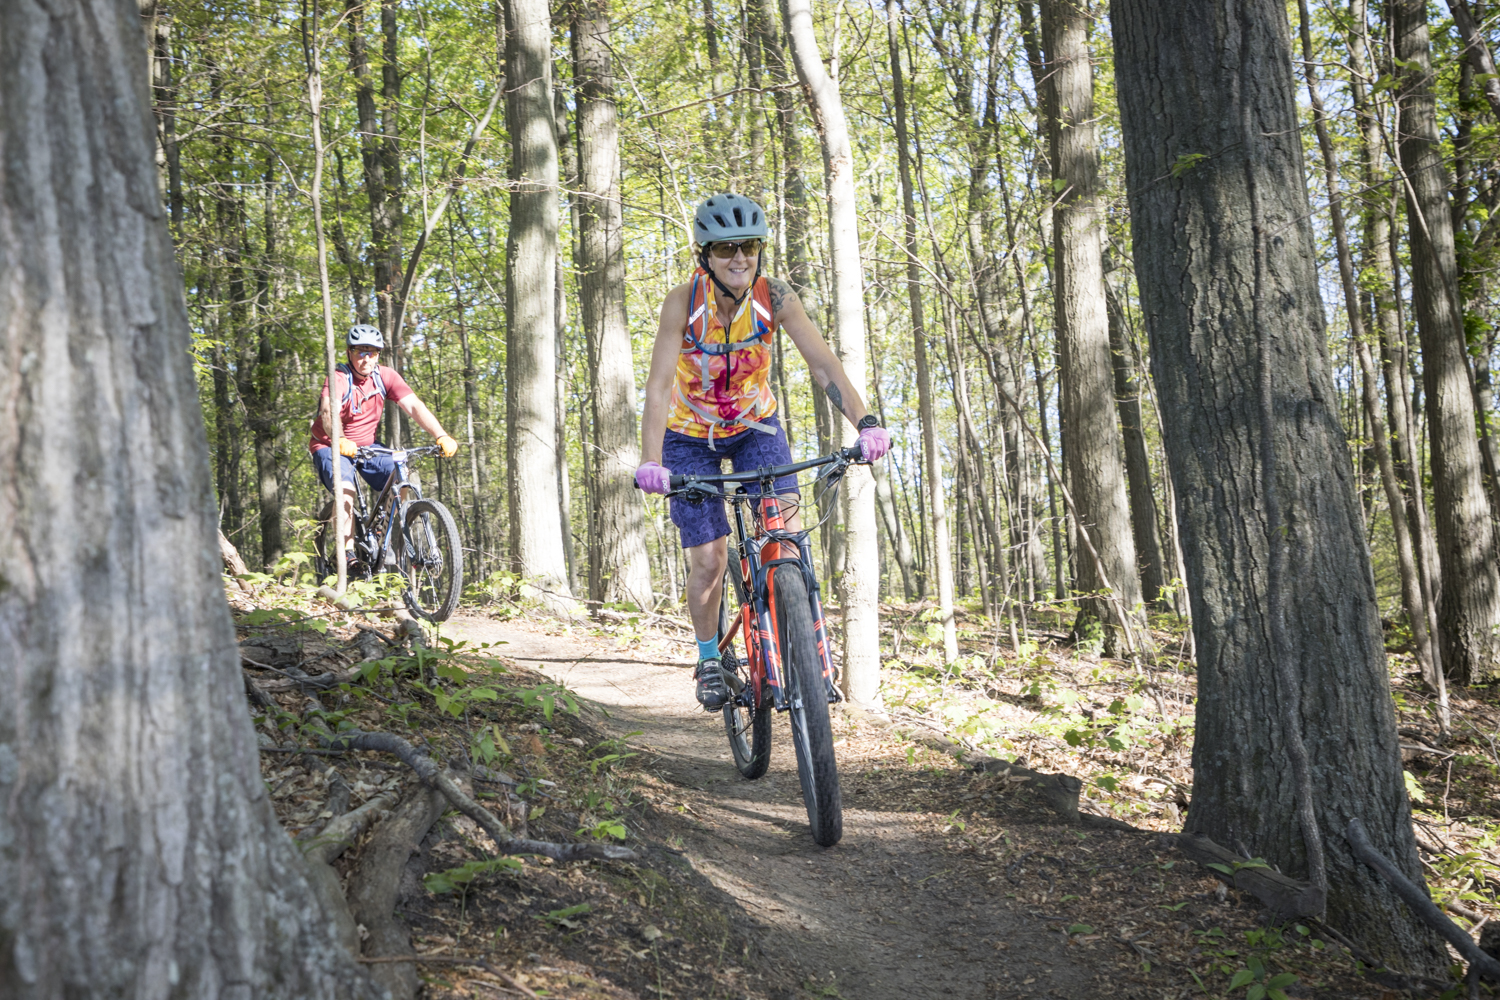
[{"x": 868, "y": 420}]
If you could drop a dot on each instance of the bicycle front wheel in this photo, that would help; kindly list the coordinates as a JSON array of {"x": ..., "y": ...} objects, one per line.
[
  {"x": 747, "y": 725},
  {"x": 432, "y": 560},
  {"x": 812, "y": 733}
]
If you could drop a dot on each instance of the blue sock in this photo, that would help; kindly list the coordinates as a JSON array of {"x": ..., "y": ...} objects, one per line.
[{"x": 708, "y": 649}]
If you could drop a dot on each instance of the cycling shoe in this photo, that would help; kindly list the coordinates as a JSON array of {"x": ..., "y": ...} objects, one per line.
[{"x": 712, "y": 692}]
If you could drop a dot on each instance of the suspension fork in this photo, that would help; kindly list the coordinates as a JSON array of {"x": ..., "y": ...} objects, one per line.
[{"x": 820, "y": 627}]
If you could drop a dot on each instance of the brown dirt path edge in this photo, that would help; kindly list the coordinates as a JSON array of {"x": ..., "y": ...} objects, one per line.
[{"x": 886, "y": 913}]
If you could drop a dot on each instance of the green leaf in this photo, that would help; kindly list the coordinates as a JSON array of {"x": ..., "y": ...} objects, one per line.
[
  {"x": 1276, "y": 995},
  {"x": 1278, "y": 981},
  {"x": 1241, "y": 978},
  {"x": 1080, "y": 929},
  {"x": 1220, "y": 868},
  {"x": 1186, "y": 162},
  {"x": 1256, "y": 992},
  {"x": 1108, "y": 782},
  {"x": 1072, "y": 737}
]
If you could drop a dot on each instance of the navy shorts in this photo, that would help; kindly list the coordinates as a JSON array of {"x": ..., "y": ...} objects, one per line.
[
  {"x": 376, "y": 469},
  {"x": 748, "y": 450}
]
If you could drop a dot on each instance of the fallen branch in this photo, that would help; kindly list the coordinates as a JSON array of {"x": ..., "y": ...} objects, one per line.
[
  {"x": 1421, "y": 904},
  {"x": 1285, "y": 897},
  {"x": 435, "y": 777},
  {"x": 346, "y": 829}
]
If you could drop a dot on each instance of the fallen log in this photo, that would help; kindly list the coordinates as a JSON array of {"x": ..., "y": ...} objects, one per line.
[{"x": 1285, "y": 897}]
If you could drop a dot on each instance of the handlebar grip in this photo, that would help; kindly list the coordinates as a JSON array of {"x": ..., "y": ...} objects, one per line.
[
  {"x": 677, "y": 482},
  {"x": 853, "y": 453}
]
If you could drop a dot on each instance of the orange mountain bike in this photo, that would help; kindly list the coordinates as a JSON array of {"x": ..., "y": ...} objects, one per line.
[{"x": 774, "y": 647}]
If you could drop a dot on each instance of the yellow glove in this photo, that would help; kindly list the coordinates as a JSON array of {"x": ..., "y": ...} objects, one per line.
[
  {"x": 447, "y": 446},
  {"x": 347, "y": 448}
]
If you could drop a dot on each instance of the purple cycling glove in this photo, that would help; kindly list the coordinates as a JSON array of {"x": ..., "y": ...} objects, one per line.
[
  {"x": 874, "y": 442},
  {"x": 653, "y": 478}
]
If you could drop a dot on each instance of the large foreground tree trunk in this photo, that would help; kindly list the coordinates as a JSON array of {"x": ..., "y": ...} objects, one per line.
[
  {"x": 624, "y": 568},
  {"x": 1226, "y": 263},
  {"x": 861, "y": 578},
  {"x": 1469, "y": 603},
  {"x": 536, "y": 540},
  {"x": 1091, "y": 433},
  {"x": 138, "y": 848}
]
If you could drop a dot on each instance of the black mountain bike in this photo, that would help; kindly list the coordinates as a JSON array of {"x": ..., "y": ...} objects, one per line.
[
  {"x": 782, "y": 657},
  {"x": 401, "y": 532}
]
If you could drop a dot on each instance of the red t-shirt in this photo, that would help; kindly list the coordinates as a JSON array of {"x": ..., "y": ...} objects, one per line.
[{"x": 360, "y": 417}]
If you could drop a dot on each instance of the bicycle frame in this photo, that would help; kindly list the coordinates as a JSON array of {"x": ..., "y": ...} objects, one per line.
[
  {"x": 398, "y": 489},
  {"x": 760, "y": 552}
]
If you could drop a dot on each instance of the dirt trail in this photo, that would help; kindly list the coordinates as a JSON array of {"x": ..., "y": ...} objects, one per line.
[{"x": 887, "y": 913}]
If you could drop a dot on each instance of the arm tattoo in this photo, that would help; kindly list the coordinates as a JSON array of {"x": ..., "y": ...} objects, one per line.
[
  {"x": 835, "y": 395},
  {"x": 780, "y": 293}
]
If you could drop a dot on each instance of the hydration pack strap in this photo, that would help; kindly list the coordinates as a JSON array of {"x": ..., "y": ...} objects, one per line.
[
  {"x": 349, "y": 398},
  {"x": 714, "y": 420}
]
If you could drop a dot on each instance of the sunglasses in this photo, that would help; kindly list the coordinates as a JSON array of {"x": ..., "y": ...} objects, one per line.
[
  {"x": 365, "y": 352},
  {"x": 725, "y": 251}
]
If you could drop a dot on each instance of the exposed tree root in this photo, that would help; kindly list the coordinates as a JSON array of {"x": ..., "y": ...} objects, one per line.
[
  {"x": 1421, "y": 904},
  {"x": 376, "y": 881},
  {"x": 1285, "y": 897},
  {"x": 435, "y": 778}
]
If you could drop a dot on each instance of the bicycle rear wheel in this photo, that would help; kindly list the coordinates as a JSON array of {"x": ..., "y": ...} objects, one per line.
[
  {"x": 812, "y": 733},
  {"x": 432, "y": 560},
  {"x": 748, "y": 726}
]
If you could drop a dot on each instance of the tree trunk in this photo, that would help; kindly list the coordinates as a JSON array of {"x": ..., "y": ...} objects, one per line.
[
  {"x": 941, "y": 560},
  {"x": 568, "y": 179},
  {"x": 1469, "y": 606},
  {"x": 142, "y": 855},
  {"x": 1226, "y": 264},
  {"x": 1386, "y": 317},
  {"x": 536, "y": 540},
  {"x": 861, "y": 578},
  {"x": 624, "y": 569},
  {"x": 1091, "y": 436},
  {"x": 1411, "y": 587},
  {"x": 1144, "y": 524}
]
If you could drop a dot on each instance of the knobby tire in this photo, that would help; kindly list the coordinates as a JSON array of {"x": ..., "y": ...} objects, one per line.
[
  {"x": 748, "y": 729},
  {"x": 812, "y": 733},
  {"x": 432, "y": 560}
]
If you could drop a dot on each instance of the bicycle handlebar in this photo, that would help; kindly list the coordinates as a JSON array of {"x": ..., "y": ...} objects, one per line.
[
  {"x": 369, "y": 450},
  {"x": 851, "y": 455}
]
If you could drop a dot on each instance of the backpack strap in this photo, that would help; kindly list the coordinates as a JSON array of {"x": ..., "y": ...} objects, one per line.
[
  {"x": 761, "y": 325},
  {"x": 348, "y": 397}
]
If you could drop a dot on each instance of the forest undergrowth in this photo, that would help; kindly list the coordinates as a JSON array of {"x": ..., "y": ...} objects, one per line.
[{"x": 490, "y": 924}]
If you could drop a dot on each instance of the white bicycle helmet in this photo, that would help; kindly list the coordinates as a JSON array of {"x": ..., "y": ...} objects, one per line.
[
  {"x": 365, "y": 335},
  {"x": 728, "y": 217}
]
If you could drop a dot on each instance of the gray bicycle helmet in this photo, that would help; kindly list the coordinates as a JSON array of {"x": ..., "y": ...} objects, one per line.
[
  {"x": 728, "y": 217},
  {"x": 365, "y": 335}
]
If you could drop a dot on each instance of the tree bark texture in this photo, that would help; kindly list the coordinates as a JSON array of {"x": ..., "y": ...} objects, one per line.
[
  {"x": 1226, "y": 264},
  {"x": 1144, "y": 524},
  {"x": 138, "y": 847},
  {"x": 932, "y": 459},
  {"x": 531, "y": 263},
  {"x": 620, "y": 516},
  {"x": 1091, "y": 435},
  {"x": 861, "y": 577},
  {"x": 1469, "y": 603}
]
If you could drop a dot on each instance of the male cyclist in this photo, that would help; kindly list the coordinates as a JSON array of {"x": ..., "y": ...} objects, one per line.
[
  {"x": 364, "y": 384},
  {"x": 708, "y": 397}
]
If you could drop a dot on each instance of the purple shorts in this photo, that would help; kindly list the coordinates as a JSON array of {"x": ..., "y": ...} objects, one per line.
[{"x": 748, "y": 450}]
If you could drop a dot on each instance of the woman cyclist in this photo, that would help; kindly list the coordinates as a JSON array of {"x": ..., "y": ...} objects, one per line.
[{"x": 708, "y": 397}]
